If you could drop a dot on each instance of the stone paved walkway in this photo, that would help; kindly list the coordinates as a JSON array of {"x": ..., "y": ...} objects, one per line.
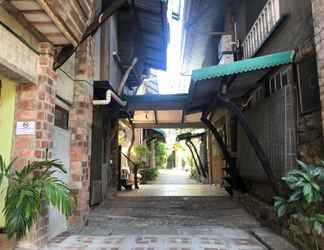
[
  {"x": 172, "y": 223},
  {"x": 225, "y": 239}
]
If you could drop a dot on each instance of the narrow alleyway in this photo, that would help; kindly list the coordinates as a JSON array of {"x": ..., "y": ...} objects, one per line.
[{"x": 171, "y": 222}]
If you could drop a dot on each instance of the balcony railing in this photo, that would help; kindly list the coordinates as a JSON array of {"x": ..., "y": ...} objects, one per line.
[{"x": 265, "y": 23}]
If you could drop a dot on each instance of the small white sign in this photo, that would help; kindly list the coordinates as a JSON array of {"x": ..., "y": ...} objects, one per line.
[{"x": 25, "y": 128}]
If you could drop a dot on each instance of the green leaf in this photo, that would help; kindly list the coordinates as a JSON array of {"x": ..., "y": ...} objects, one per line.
[
  {"x": 320, "y": 218},
  {"x": 281, "y": 210},
  {"x": 23, "y": 200},
  {"x": 317, "y": 226},
  {"x": 297, "y": 195}
]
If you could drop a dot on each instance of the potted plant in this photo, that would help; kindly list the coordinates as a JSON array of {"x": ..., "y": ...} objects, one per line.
[
  {"x": 27, "y": 189},
  {"x": 304, "y": 199}
]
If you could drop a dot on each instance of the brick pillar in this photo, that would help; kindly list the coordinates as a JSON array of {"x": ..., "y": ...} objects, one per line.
[
  {"x": 35, "y": 102},
  {"x": 80, "y": 125},
  {"x": 318, "y": 19}
]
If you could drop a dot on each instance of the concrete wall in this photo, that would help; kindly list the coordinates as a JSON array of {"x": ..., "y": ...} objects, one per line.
[
  {"x": 295, "y": 32},
  {"x": 17, "y": 61}
]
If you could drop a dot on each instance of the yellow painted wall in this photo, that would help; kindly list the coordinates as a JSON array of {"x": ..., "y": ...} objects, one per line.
[{"x": 7, "y": 108}]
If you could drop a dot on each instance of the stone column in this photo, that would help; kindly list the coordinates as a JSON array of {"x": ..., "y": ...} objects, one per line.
[
  {"x": 318, "y": 19},
  {"x": 80, "y": 121},
  {"x": 35, "y": 103}
]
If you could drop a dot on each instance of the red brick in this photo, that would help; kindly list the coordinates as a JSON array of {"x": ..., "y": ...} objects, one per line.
[{"x": 26, "y": 115}]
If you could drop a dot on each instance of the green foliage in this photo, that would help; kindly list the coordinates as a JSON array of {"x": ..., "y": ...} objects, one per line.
[
  {"x": 140, "y": 151},
  {"x": 305, "y": 197},
  {"x": 171, "y": 160},
  {"x": 151, "y": 174},
  {"x": 161, "y": 154},
  {"x": 27, "y": 189}
]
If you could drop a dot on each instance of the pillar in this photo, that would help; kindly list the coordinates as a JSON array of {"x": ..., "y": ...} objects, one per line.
[
  {"x": 318, "y": 19},
  {"x": 35, "y": 104},
  {"x": 80, "y": 122}
]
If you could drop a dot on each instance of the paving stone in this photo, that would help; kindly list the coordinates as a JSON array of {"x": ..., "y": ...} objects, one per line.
[{"x": 165, "y": 223}]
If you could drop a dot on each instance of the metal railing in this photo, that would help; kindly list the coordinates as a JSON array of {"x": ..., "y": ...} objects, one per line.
[{"x": 265, "y": 23}]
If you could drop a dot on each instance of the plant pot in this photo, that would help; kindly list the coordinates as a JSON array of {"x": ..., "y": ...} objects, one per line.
[{"x": 5, "y": 243}]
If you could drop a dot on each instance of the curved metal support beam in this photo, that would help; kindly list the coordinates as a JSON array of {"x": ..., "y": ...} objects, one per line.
[
  {"x": 201, "y": 166},
  {"x": 193, "y": 156},
  {"x": 226, "y": 102},
  {"x": 232, "y": 171}
]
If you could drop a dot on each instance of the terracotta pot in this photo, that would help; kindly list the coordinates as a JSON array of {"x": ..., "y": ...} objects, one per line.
[{"x": 6, "y": 244}]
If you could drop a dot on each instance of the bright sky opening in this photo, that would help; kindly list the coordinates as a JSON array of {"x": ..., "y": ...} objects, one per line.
[{"x": 169, "y": 80}]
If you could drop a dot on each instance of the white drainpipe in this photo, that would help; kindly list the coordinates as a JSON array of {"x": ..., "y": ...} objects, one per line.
[{"x": 109, "y": 96}]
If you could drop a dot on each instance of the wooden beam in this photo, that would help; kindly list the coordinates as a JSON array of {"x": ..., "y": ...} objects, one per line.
[
  {"x": 156, "y": 102},
  {"x": 23, "y": 21},
  {"x": 58, "y": 21},
  {"x": 91, "y": 30},
  {"x": 125, "y": 77},
  {"x": 169, "y": 125},
  {"x": 93, "y": 27}
]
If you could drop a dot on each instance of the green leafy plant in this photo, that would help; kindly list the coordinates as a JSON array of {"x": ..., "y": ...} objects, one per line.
[
  {"x": 150, "y": 174},
  {"x": 161, "y": 155},
  {"x": 140, "y": 152},
  {"x": 27, "y": 189},
  {"x": 304, "y": 200}
]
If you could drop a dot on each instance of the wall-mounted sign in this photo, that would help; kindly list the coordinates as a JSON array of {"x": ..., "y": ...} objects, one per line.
[{"x": 25, "y": 128}]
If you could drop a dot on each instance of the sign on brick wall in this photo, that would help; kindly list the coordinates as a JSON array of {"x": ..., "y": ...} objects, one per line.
[{"x": 25, "y": 128}]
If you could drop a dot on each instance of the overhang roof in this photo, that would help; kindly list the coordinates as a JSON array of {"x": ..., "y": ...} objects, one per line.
[
  {"x": 152, "y": 17},
  {"x": 243, "y": 66},
  {"x": 244, "y": 75},
  {"x": 59, "y": 22},
  {"x": 148, "y": 39}
]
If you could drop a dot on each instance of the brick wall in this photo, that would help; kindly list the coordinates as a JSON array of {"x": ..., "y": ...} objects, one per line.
[
  {"x": 318, "y": 19},
  {"x": 35, "y": 102},
  {"x": 80, "y": 121}
]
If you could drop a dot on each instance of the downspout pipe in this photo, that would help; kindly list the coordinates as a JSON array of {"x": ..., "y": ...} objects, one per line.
[{"x": 109, "y": 96}]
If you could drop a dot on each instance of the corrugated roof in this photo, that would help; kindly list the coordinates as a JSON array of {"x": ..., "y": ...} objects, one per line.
[{"x": 257, "y": 63}]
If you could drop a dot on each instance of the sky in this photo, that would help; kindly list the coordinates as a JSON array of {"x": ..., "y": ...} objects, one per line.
[{"x": 169, "y": 80}]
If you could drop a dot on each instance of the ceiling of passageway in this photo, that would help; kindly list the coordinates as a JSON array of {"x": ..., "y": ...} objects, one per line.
[
  {"x": 162, "y": 111},
  {"x": 166, "y": 119}
]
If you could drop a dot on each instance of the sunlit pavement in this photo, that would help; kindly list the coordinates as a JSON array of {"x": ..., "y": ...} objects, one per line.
[
  {"x": 174, "y": 176},
  {"x": 174, "y": 190}
]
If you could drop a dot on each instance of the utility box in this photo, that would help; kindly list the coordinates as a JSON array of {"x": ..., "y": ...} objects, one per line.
[{"x": 225, "y": 46}]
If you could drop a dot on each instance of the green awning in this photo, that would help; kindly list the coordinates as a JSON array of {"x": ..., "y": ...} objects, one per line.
[{"x": 243, "y": 66}]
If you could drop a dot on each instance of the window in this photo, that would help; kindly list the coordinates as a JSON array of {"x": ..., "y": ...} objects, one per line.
[{"x": 61, "y": 117}]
